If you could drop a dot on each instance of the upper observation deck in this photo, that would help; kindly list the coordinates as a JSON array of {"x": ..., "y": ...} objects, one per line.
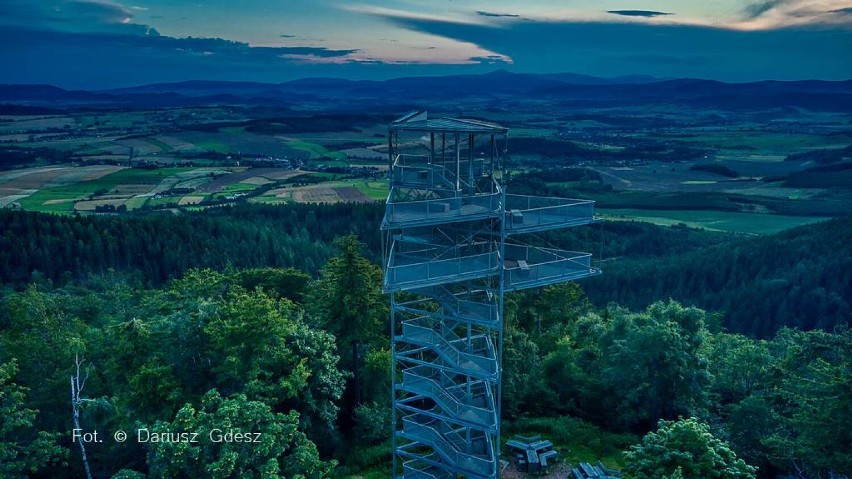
[
  {"x": 440, "y": 208},
  {"x": 424, "y": 171}
]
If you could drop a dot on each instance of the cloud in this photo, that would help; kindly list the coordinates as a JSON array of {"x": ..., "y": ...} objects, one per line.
[
  {"x": 395, "y": 13},
  {"x": 492, "y": 60},
  {"x": 98, "y": 43},
  {"x": 155, "y": 44},
  {"x": 638, "y": 13},
  {"x": 72, "y": 16},
  {"x": 101, "y": 60},
  {"x": 662, "y": 50},
  {"x": 95, "y": 11},
  {"x": 498, "y": 15},
  {"x": 775, "y": 14},
  {"x": 847, "y": 11},
  {"x": 87, "y": 26},
  {"x": 758, "y": 9}
]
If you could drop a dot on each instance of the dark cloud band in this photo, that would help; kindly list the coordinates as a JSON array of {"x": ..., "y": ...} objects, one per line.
[
  {"x": 490, "y": 14},
  {"x": 638, "y": 13}
]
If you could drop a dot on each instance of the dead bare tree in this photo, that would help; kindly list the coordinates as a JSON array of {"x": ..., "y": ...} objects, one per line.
[{"x": 77, "y": 401}]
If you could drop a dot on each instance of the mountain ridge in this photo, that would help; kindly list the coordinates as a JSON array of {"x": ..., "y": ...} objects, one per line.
[{"x": 814, "y": 94}]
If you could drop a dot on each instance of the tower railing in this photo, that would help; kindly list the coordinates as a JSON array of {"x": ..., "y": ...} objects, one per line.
[
  {"x": 421, "y": 171},
  {"x": 530, "y": 267},
  {"x": 476, "y": 307},
  {"x": 426, "y": 212},
  {"x": 481, "y": 361},
  {"x": 528, "y": 214},
  {"x": 456, "y": 401},
  {"x": 435, "y": 265},
  {"x": 450, "y": 445}
]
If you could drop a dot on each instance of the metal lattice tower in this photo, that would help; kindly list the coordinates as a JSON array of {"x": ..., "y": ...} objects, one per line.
[{"x": 451, "y": 251}]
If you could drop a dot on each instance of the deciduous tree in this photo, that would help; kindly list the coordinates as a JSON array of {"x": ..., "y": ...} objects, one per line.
[{"x": 684, "y": 449}]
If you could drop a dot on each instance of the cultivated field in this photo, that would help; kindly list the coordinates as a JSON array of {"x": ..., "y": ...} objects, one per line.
[
  {"x": 645, "y": 159},
  {"x": 735, "y": 222}
]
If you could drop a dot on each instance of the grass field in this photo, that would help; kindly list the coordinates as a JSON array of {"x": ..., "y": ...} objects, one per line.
[
  {"x": 332, "y": 190},
  {"x": 61, "y": 199},
  {"x": 315, "y": 150},
  {"x": 751, "y": 223},
  {"x": 376, "y": 190}
]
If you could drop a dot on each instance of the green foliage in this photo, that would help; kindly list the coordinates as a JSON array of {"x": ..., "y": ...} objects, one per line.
[
  {"x": 523, "y": 385},
  {"x": 684, "y": 449},
  {"x": 40, "y": 322},
  {"x": 814, "y": 394},
  {"x": 269, "y": 341},
  {"x": 798, "y": 278},
  {"x": 716, "y": 168},
  {"x": 260, "y": 346},
  {"x": 373, "y": 422},
  {"x": 750, "y": 424},
  {"x": 282, "y": 451},
  {"x": 281, "y": 282},
  {"x": 223, "y": 337},
  {"x": 377, "y": 375},
  {"x": 347, "y": 301},
  {"x": 632, "y": 368},
  {"x": 159, "y": 349},
  {"x": 128, "y": 474},
  {"x": 548, "y": 314},
  {"x": 740, "y": 366},
  {"x": 367, "y": 462},
  {"x": 24, "y": 450}
]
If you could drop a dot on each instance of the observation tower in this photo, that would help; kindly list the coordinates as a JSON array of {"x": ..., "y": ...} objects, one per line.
[{"x": 453, "y": 245}]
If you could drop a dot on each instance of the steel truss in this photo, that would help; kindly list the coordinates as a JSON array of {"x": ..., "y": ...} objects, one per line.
[{"x": 452, "y": 248}]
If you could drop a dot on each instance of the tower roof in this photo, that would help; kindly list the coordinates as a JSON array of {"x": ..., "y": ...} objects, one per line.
[{"x": 420, "y": 121}]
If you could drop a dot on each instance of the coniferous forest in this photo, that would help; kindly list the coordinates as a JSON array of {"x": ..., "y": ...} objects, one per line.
[{"x": 697, "y": 354}]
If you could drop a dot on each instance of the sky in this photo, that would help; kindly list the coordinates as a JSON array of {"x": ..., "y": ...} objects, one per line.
[{"x": 98, "y": 44}]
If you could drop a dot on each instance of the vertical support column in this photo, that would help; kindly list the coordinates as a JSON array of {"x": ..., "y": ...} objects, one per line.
[
  {"x": 472, "y": 187},
  {"x": 492, "y": 148},
  {"x": 502, "y": 322},
  {"x": 443, "y": 150},
  {"x": 458, "y": 165},
  {"x": 393, "y": 383}
]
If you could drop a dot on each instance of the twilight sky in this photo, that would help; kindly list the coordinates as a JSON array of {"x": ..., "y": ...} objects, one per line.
[{"x": 102, "y": 44}]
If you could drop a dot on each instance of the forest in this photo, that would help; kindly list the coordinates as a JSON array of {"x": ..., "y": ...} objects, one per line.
[
  {"x": 305, "y": 362},
  {"x": 696, "y": 355},
  {"x": 799, "y": 278}
]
